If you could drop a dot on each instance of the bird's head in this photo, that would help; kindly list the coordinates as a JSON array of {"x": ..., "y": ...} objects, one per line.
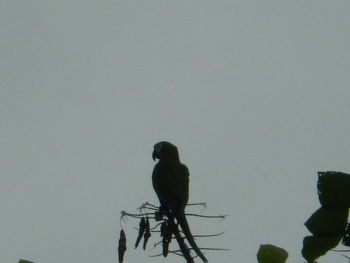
[{"x": 165, "y": 151}]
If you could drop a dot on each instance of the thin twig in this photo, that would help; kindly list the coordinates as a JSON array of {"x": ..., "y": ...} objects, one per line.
[
  {"x": 124, "y": 213},
  {"x": 201, "y": 248},
  {"x": 176, "y": 252},
  {"x": 157, "y": 244},
  {"x": 161, "y": 254},
  {"x": 196, "y": 236},
  {"x": 205, "y": 216},
  {"x": 210, "y": 235},
  {"x": 206, "y": 248},
  {"x": 148, "y": 206},
  {"x": 156, "y": 227},
  {"x": 152, "y": 228},
  {"x": 199, "y": 204},
  {"x": 215, "y": 249},
  {"x": 152, "y": 231}
]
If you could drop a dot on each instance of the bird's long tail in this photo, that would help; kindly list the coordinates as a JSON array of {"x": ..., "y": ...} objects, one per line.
[{"x": 181, "y": 219}]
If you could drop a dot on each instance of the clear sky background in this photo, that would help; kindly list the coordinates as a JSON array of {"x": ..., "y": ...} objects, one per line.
[{"x": 255, "y": 94}]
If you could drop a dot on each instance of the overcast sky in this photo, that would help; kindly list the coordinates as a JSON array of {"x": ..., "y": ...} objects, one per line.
[{"x": 255, "y": 94}]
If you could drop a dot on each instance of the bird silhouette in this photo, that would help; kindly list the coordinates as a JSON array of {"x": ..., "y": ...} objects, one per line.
[{"x": 170, "y": 180}]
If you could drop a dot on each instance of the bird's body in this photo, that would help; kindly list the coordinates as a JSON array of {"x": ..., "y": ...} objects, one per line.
[
  {"x": 171, "y": 185},
  {"x": 170, "y": 180}
]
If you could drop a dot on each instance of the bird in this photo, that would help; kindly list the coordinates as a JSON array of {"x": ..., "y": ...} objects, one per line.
[{"x": 170, "y": 179}]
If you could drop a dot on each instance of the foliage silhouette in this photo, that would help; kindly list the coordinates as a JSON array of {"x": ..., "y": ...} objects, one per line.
[
  {"x": 333, "y": 189},
  {"x": 316, "y": 246},
  {"x": 271, "y": 254},
  {"x": 328, "y": 223}
]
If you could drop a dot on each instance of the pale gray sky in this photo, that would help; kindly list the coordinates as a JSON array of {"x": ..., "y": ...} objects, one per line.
[{"x": 255, "y": 94}]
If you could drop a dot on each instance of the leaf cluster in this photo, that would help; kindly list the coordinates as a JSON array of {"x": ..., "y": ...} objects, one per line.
[{"x": 328, "y": 224}]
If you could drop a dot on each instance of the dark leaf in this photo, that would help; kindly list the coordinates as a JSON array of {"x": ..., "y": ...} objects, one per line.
[
  {"x": 314, "y": 247},
  {"x": 333, "y": 189},
  {"x": 271, "y": 254},
  {"x": 326, "y": 222}
]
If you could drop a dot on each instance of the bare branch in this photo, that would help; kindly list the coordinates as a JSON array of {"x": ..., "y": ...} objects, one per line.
[
  {"x": 210, "y": 235},
  {"x": 124, "y": 213},
  {"x": 150, "y": 211},
  {"x": 148, "y": 206},
  {"x": 206, "y": 248},
  {"x": 197, "y": 215}
]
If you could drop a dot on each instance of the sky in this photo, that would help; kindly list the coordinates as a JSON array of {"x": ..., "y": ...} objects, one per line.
[{"x": 255, "y": 94}]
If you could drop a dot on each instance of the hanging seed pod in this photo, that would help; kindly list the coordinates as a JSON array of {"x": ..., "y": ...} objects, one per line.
[
  {"x": 163, "y": 233},
  {"x": 169, "y": 232},
  {"x": 163, "y": 228},
  {"x": 147, "y": 234},
  {"x": 122, "y": 246},
  {"x": 142, "y": 227},
  {"x": 165, "y": 247}
]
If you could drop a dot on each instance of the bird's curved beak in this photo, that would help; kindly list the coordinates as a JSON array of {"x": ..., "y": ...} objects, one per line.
[
  {"x": 156, "y": 151},
  {"x": 155, "y": 155}
]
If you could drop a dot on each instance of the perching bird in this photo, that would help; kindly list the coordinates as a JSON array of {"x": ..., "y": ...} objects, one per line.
[{"x": 170, "y": 180}]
